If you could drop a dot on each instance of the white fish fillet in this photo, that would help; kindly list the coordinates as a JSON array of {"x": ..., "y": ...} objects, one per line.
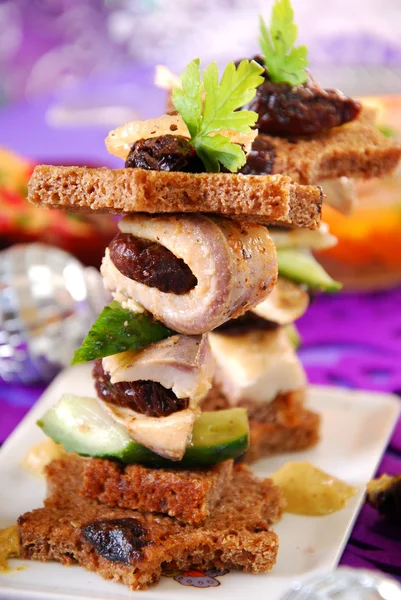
[
  {"x": 167, "y": 436},
  {"x": 256, "y": 366},
  {"x": 286, "y": 303}
]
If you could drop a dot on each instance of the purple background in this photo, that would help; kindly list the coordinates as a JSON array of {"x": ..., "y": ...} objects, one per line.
[{"x": 53, "y": 44}]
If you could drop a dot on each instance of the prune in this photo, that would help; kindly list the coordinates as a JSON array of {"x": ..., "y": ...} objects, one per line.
[
  {"x": 302, "y": 110},
  {"x": 245, "y": 323},
  {"x": 146, "y": 397},
  {"x": 164, "y": 153},
  {"x": 117, "y": 540},
  {"x": 260, "y": 159},
  {"x": 151, "y": 263}
]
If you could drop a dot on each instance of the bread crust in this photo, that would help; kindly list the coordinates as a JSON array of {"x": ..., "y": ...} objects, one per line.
[
  {"x": 235, "y": 535},
  {"x": 357, "y": 149},
  {"x": 265, "y": 199}
]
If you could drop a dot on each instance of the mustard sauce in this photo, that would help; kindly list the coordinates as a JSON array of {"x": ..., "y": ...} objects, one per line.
[
  {"x": 41, "y": 455},
  {"x": 310, "y": 491},
  {"x": 9, "y": 546}
]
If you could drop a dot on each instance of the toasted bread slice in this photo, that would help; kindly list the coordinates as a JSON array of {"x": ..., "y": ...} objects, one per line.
[
  {"x": 190, "y": 496},
  {"x": 263, "y": 199},
  {"x": 357, "y": 149},
  {"x": 283, "y": 425},
  {"x": 134, "y": 548}
]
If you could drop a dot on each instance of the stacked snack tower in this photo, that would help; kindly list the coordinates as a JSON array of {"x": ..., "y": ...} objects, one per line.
[{"x": 158, "y": 489}]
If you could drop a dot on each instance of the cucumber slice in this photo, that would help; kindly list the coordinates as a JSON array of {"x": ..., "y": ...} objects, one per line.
[
  {"x": 293, "y": 335},
  {"x": 118, "y": 329},
  {"x": 218, "y": 436},
  {"x": 82, "y": 426},
  {"x": 302, "y": 267}
]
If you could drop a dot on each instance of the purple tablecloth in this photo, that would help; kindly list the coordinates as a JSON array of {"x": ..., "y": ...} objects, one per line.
[{"x": 349, "y": 340}]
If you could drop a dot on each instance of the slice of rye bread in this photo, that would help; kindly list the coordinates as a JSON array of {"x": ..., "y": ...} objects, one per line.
[
  {"x": 264, "y": 199},
  {"x": 189, "y": 496},
  {"x": 357, "y": 149},
  {"x": 134, "y": 548},
  {"x": 283, "y": 425}
]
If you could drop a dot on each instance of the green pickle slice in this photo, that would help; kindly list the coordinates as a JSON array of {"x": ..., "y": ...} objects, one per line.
[
  {"x": 82, "y": 426},
  {"x": 118, "y": 329},
  {"x": 302, "y": 267}
]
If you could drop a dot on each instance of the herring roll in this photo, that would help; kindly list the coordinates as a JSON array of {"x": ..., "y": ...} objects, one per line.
[
  {"x": 287, "y": 303},
  {"x": 154, "y": 393},
  {"x": 181, "y": 363},
  {"x": 192, "y": 272}
]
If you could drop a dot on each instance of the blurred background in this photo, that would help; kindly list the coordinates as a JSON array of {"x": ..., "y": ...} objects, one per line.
[
  {"x": 48, "y": 45},
  {"x": 71, "y": 70},
  {"x": 91, "y": 62}
]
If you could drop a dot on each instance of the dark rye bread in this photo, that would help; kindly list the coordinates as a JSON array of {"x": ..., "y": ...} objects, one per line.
[
  {"x": 264, "y": 199},
  {"x": 189, "y": 496},
  {"x": 134, "y": 548},
  {"x": 283, "y": 425},
  {"x": 357, "y": 149}
]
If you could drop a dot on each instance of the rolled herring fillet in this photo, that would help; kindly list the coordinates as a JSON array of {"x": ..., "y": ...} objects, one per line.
[
  {"x": 166, "y": 436},
  {"x": 256, "y": 366},
  {"x": 181, "y": 363},
  {"x": 287, "y": 303},
  {"x": 234, "y": 262}
]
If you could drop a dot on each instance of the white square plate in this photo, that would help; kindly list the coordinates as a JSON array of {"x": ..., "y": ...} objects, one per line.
[{"x": 356, "y": 429}]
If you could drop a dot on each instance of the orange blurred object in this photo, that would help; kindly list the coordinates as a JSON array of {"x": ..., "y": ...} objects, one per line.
[
  {"x": 368, "y": 253},
  {"x": 85, "y": 236}
]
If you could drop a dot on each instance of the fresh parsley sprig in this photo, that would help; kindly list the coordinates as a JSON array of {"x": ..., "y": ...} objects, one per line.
[
  {"x": 210, "y": 106},
  {"x": 284, "y": 62}
]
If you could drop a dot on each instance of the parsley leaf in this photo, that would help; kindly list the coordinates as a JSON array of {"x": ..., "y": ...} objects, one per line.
[
  {"x": 216, "y": 149},
  {"x": 211, "y": 106},
  {"x": 188, "y": 100},
  {"x": 237, "y": 88},
  {"x": 284, "y": 63}
]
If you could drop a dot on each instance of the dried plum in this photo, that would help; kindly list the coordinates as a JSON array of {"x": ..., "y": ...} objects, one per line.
[
  {"x": 302, "y": 110},
  {"x": 146, "y": 397},
  {"x": 117, "y": 540},
  {"x": 245, "y": 323},
  {"x": 260, "y": 159},
  {"x": 164, "y": 153},
  {"x": 151, "y": 263}
]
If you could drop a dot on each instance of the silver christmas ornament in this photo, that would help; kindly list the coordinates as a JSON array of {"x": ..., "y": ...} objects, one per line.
[
  {"x": 48, "y": 301},
  {"x": 345, "y": 583}
]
